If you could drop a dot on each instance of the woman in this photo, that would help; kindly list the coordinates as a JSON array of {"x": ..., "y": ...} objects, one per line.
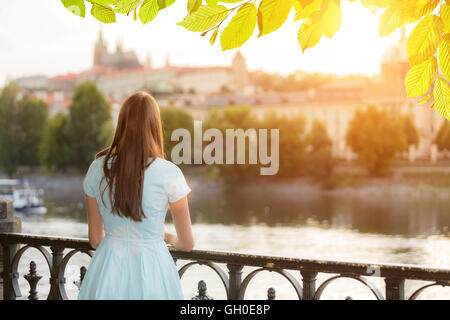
[{"x": 128, "y": 188}]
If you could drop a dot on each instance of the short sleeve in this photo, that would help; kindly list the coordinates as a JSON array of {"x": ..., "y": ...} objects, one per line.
[
  {"x": 89, "y": 181},
  {"x": 178, "y": 187}
]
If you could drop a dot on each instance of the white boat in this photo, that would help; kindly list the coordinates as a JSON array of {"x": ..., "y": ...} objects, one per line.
[{"x": 24, "y": 198}]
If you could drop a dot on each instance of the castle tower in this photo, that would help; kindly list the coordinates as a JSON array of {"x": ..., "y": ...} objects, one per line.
[
  {"x": 239, "y": 71},
  {"x": 148, "y": 61},
  {"x": 119, "y": 45},
  {"x": 100, "y": 48},
  {"x": 395, "y": 65},
  {"x": 167, "y": 65}
]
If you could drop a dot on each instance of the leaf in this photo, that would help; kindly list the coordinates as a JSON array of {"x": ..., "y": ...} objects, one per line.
[
  {"x": 374, "y": 5},
  {"x": 148, "y": 11},
  {"x": 75, "y": 6},
  {"x": 445, "y": 16},
  {"x": 304, "y": 8},
  {"x": 309, "y": 33},
  {"x": 424, "y": 7},
  {"x": 332, "y": 19},
  {"x": 424, "y": 39},
  {"x": 193, "y": 5},
  {"x": 103, "y": 14},
  {"x": 213, "y": 37},
  {"x": 240, "y": 27},
  {"x": 126, "y": 6},
  {"x": 444, "y": 55},
  {"x": 204, "y": 18},
  {"x": 441, "y": 95},
  {"x": 272, "y": 14},
  {"x": 165, "y": 3},
  {"x": 419, "y": 77},
  {"x": 425, "y": 98},
  {"x": 389, "y": 21},
  {"x": 103, "y": 2}
]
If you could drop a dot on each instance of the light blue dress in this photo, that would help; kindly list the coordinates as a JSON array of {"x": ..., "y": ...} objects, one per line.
[{"x": 133, "y": 261}]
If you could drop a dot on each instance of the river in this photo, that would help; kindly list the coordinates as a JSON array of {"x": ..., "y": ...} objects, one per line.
[{"x": 388, "y": 225}]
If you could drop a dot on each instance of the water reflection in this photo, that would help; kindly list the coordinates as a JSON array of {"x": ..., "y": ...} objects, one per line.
[
  {"x": 368, "y": 227},
  {"x": 406, "y": 215}
]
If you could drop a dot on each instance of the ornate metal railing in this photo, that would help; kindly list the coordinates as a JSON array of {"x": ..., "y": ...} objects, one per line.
[{"x": 15, "y": 244}]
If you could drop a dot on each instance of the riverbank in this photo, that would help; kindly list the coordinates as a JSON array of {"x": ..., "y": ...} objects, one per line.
[{"x": 425, "y": 179}]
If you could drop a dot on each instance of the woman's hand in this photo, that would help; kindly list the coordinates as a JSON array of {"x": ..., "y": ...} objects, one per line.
[
  {"x": 184, "y": 239},
  {"x": 170, "y": 238}
]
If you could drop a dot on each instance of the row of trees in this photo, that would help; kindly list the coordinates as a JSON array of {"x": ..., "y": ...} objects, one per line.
[
  {"x": 372, "y": 134},
  {"x": 70, "y": 141},
  {"x": 29, "y": 138}
]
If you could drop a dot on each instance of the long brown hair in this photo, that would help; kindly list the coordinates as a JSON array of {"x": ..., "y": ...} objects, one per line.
[{"x": 138, "y": 137}]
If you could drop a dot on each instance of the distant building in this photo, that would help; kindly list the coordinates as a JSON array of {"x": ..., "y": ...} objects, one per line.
[
  {"x": 33, "y": 82},
  {"x": 200, "y": 89},
  {"x": 119, "y": 59},
  {"x": 335, "y": 104}
]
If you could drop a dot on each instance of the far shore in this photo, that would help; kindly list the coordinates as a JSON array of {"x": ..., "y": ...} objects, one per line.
[{"x": 424, "y": 180}]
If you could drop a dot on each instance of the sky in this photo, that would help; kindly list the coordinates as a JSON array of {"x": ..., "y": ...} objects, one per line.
[{"x": 42, "y": 37}]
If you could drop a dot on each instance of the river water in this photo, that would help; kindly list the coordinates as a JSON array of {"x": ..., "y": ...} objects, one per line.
[{"x": 393, "y": 225}]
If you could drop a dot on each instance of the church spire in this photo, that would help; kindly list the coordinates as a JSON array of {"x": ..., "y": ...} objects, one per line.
[
  {"x": 148, "y": 61},
  {"x": 100, "y": 36},
  {"x": 167, "y": 61}
]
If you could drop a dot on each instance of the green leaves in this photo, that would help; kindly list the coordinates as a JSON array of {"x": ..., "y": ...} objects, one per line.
[
  {"x": 444, "y": 55},
  {"x": 419, "y": 77},
  {"x": 165, "y": 3},
  {"x": 103, "y": 2},
  {"x": 320, "y": 17},
  {"x": 240, "y": 27},
  {"x": 421, "y": 48},
  {"x": 310, "y": 32},
  {"x": 272, "y": 14},
  {"x": 445, "y": 16},
  {"x": 126, "y": 6},
  {"x": 204, "y": 18},
  {"x": 148, "y": 11},
  {"x": 193, "y": 5},
  {"x": 213, "y": 37},
  {"x": 425, "y": 99},
  {"x": 389, "y": 21},
  {"x": 103, "y": 14},
  {"x": 332, "y": 18},
  {"x": 75, "y": 6},
  {"x": 304, "y": 8},
  {"x": 441, "y": 95},
  {"x": 424, "y": 39}
]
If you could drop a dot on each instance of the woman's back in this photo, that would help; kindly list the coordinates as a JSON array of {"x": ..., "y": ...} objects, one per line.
[
  {"x": 163, "y": 183},
  {"x": 129, "y": 188},
  {"x": 132, "y": 261}
]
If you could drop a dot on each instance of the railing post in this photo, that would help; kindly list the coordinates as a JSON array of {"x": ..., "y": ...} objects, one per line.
[
  {"x": 235, "y": 276},
  {"x": 33, "y": 278},
  {"x": 8, "y": 223},
  {"x": 55, "y": 281},
  {"x": 7, "y": 275},
  {"x": 395, "y": 288},
  {"x": 309, "y": 284}
]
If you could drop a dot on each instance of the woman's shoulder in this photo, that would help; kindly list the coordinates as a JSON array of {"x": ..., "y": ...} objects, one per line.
[
  {"x": 97, "y": 164},
  {"x": 99, "y": 161},
  {"x": 167, "y": 165}
]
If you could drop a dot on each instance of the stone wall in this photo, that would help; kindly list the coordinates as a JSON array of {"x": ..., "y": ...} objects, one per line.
[{"x": 8, "y": 223}]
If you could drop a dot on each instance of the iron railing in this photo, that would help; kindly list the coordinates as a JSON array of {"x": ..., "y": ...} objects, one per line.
[{"x": 394, "y": 275}]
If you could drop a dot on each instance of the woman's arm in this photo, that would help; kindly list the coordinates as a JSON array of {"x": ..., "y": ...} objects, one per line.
[
  {"x": 95, "y": 222},
  {"x": 183, "y": 240}
]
